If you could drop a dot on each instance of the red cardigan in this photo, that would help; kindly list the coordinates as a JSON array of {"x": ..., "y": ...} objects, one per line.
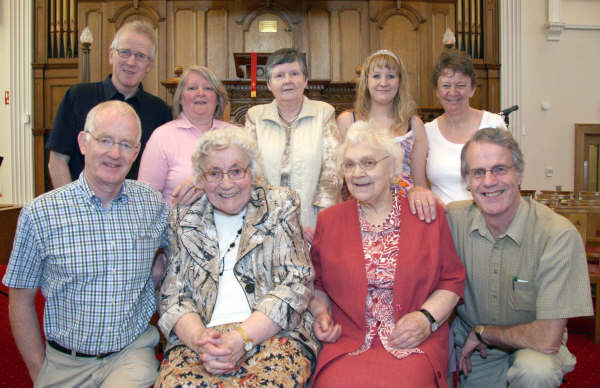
[{"x": 427, "y": 261}]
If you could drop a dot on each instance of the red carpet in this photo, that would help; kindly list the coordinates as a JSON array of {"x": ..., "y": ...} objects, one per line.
[{"x": 13, "y": 373}]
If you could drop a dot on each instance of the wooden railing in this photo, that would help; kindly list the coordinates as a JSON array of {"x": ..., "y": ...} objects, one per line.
[{"x": 62, "y": 29}]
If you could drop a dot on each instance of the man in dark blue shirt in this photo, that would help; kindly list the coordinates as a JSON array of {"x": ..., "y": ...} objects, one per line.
[{"x": 131, "y": 55}]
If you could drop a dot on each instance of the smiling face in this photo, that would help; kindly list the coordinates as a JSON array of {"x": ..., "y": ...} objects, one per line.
[
  {"x": 372, "y": 186},
  {"x": 227, "y": 196},
  {"x": 498, "y": 197},
  {"x": 106, "y": 167},
  {"x": 127, "y": 74},
  {"x": 287, "y": 82},
  {"x": 454, "y": 90},
  {"x": 383, "y": 84},
  {"x": 198, "y": 99}
]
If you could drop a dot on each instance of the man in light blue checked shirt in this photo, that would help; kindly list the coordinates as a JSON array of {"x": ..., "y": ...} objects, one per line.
[{"x": 90, "y": 247}]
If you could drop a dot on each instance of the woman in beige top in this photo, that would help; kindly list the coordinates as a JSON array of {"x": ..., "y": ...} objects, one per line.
[{"x": 297, "y": 137}]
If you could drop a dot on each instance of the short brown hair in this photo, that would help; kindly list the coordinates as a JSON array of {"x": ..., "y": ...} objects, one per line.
[{"x": 456, "y": 61}]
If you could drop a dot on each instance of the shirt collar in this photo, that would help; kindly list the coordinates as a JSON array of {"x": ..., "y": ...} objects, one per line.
[
  {"x": 110, "y": 91},
  {"x": 92, "y": 198},
  {"x": 272, "y": 113},
  {"x": 516, "y": 229},
  {"x": 184, "y": 123}
]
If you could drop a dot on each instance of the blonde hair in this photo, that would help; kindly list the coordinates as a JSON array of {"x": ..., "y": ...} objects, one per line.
[
  {"x": 221, "y": 139},
  {"x": 362, "y": 132},
  {"x": 403, "y": 105},
  {"x": 213, "y": 80}
]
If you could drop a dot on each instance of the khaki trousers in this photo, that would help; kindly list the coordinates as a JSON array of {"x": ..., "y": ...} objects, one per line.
[{"x": 134, "y": 366}]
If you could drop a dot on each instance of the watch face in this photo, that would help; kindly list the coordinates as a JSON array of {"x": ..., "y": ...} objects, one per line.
[
  {"x": 434, "y": 326},
  {"x": 248, "y": 346}
]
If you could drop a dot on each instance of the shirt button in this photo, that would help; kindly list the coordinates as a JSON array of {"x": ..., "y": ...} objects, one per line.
[
  {"x": 249, "y": 288},
  {"x": 114, "y": 271}
]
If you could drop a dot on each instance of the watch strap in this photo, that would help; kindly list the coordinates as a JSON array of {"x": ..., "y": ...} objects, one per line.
[
  {"x": 429, "y": 316},
  {"x": 244, "y": 335},
  {"x": 479, "y": 333}
]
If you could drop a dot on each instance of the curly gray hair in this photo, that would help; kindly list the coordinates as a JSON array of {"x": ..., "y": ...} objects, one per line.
[{"x": 221, "y": 139}]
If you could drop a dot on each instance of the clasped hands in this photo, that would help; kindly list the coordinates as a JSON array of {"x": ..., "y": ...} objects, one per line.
[
  {"x": 220, "y": 353},
  {"x": 409, "y": 332}
]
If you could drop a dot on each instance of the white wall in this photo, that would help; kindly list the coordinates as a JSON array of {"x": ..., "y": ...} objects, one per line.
[
  {"x": 566, "y": 75},
  {"x": 5, "y": 121}
]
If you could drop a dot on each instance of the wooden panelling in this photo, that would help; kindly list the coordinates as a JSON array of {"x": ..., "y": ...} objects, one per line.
[
  {"x": 319, "y": 43},
  {"x": 400, "y": 36},
  {"x": 217, "y": 53},
  {"x": 186, "y": 26},
  {"x": 267, "y": 42},
  {"x": 8, "y": 225},
  {"x": 335, "y": 35},
  {"x": 97, "y": 56},
  {"x": 335, "y": 46},
  {"x": 350, "y": 33},
  {"x": 91, "y": 15},
  {"x": 57, "y": 81}
]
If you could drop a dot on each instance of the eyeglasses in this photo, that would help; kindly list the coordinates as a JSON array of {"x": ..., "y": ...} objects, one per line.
[
  {"x": 498, "y": 170},
  {"x": 107, "y": 143},
  {"x": 216, "y": 175},
  {"x": 364, "y": 164},
  {"x": 126, "y": 53}
]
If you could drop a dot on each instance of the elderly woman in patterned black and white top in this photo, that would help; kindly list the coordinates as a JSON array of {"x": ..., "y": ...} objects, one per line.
[{"x": 234, "y": 299}]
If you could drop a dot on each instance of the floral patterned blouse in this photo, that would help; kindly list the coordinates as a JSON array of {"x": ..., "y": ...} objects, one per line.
[{"x": 380, "y": 247}]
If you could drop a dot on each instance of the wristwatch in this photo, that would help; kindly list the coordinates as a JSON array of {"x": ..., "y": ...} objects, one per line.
[
  {"x": 248, "y": 344},
  {"x": 479, "y": 333},
  {"x": 434, "y": 324}
]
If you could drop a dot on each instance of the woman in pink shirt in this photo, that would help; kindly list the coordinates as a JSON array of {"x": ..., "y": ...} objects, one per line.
[{"x": 198, "y": 103}]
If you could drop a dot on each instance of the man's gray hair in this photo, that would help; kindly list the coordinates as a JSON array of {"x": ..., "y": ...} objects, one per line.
[
  {"x": 122, "y": 108},
  {"x": 499, "y": 136},
  {"x": 139, "y": 27}
]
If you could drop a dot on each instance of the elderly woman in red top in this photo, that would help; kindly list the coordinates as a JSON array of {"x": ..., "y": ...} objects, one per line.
[{"x": 385, "y": 281}]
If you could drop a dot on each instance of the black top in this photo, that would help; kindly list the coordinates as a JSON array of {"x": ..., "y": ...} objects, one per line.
[{"x": 80, "y": 99}]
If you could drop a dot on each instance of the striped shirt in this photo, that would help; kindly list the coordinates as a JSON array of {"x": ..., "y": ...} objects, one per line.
[{"x": 92, "y": 264}]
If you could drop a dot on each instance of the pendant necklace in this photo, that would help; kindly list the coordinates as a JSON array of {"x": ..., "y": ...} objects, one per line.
[{"x": 229, "y": 248}]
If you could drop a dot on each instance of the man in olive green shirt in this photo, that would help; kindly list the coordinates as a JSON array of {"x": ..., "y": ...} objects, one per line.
[{"x": 526, "y": 274}]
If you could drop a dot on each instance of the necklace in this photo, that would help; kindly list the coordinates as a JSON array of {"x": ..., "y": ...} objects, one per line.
[
  {"x": 229, "y": 248},
  {"x": 287, "y": 123}
]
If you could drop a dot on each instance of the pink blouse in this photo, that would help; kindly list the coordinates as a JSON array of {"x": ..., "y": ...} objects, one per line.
[
  {"x": 166, "y": 160},
  {"x": 380, "y": 247}
]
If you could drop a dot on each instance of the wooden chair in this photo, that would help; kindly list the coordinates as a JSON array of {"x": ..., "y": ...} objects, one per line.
[
  {"x": 586, "y": 220},
  {"x": 528, "y": 193},
  {"x": 594, "y": 271},
  {"x": 589, "y": 195}
]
